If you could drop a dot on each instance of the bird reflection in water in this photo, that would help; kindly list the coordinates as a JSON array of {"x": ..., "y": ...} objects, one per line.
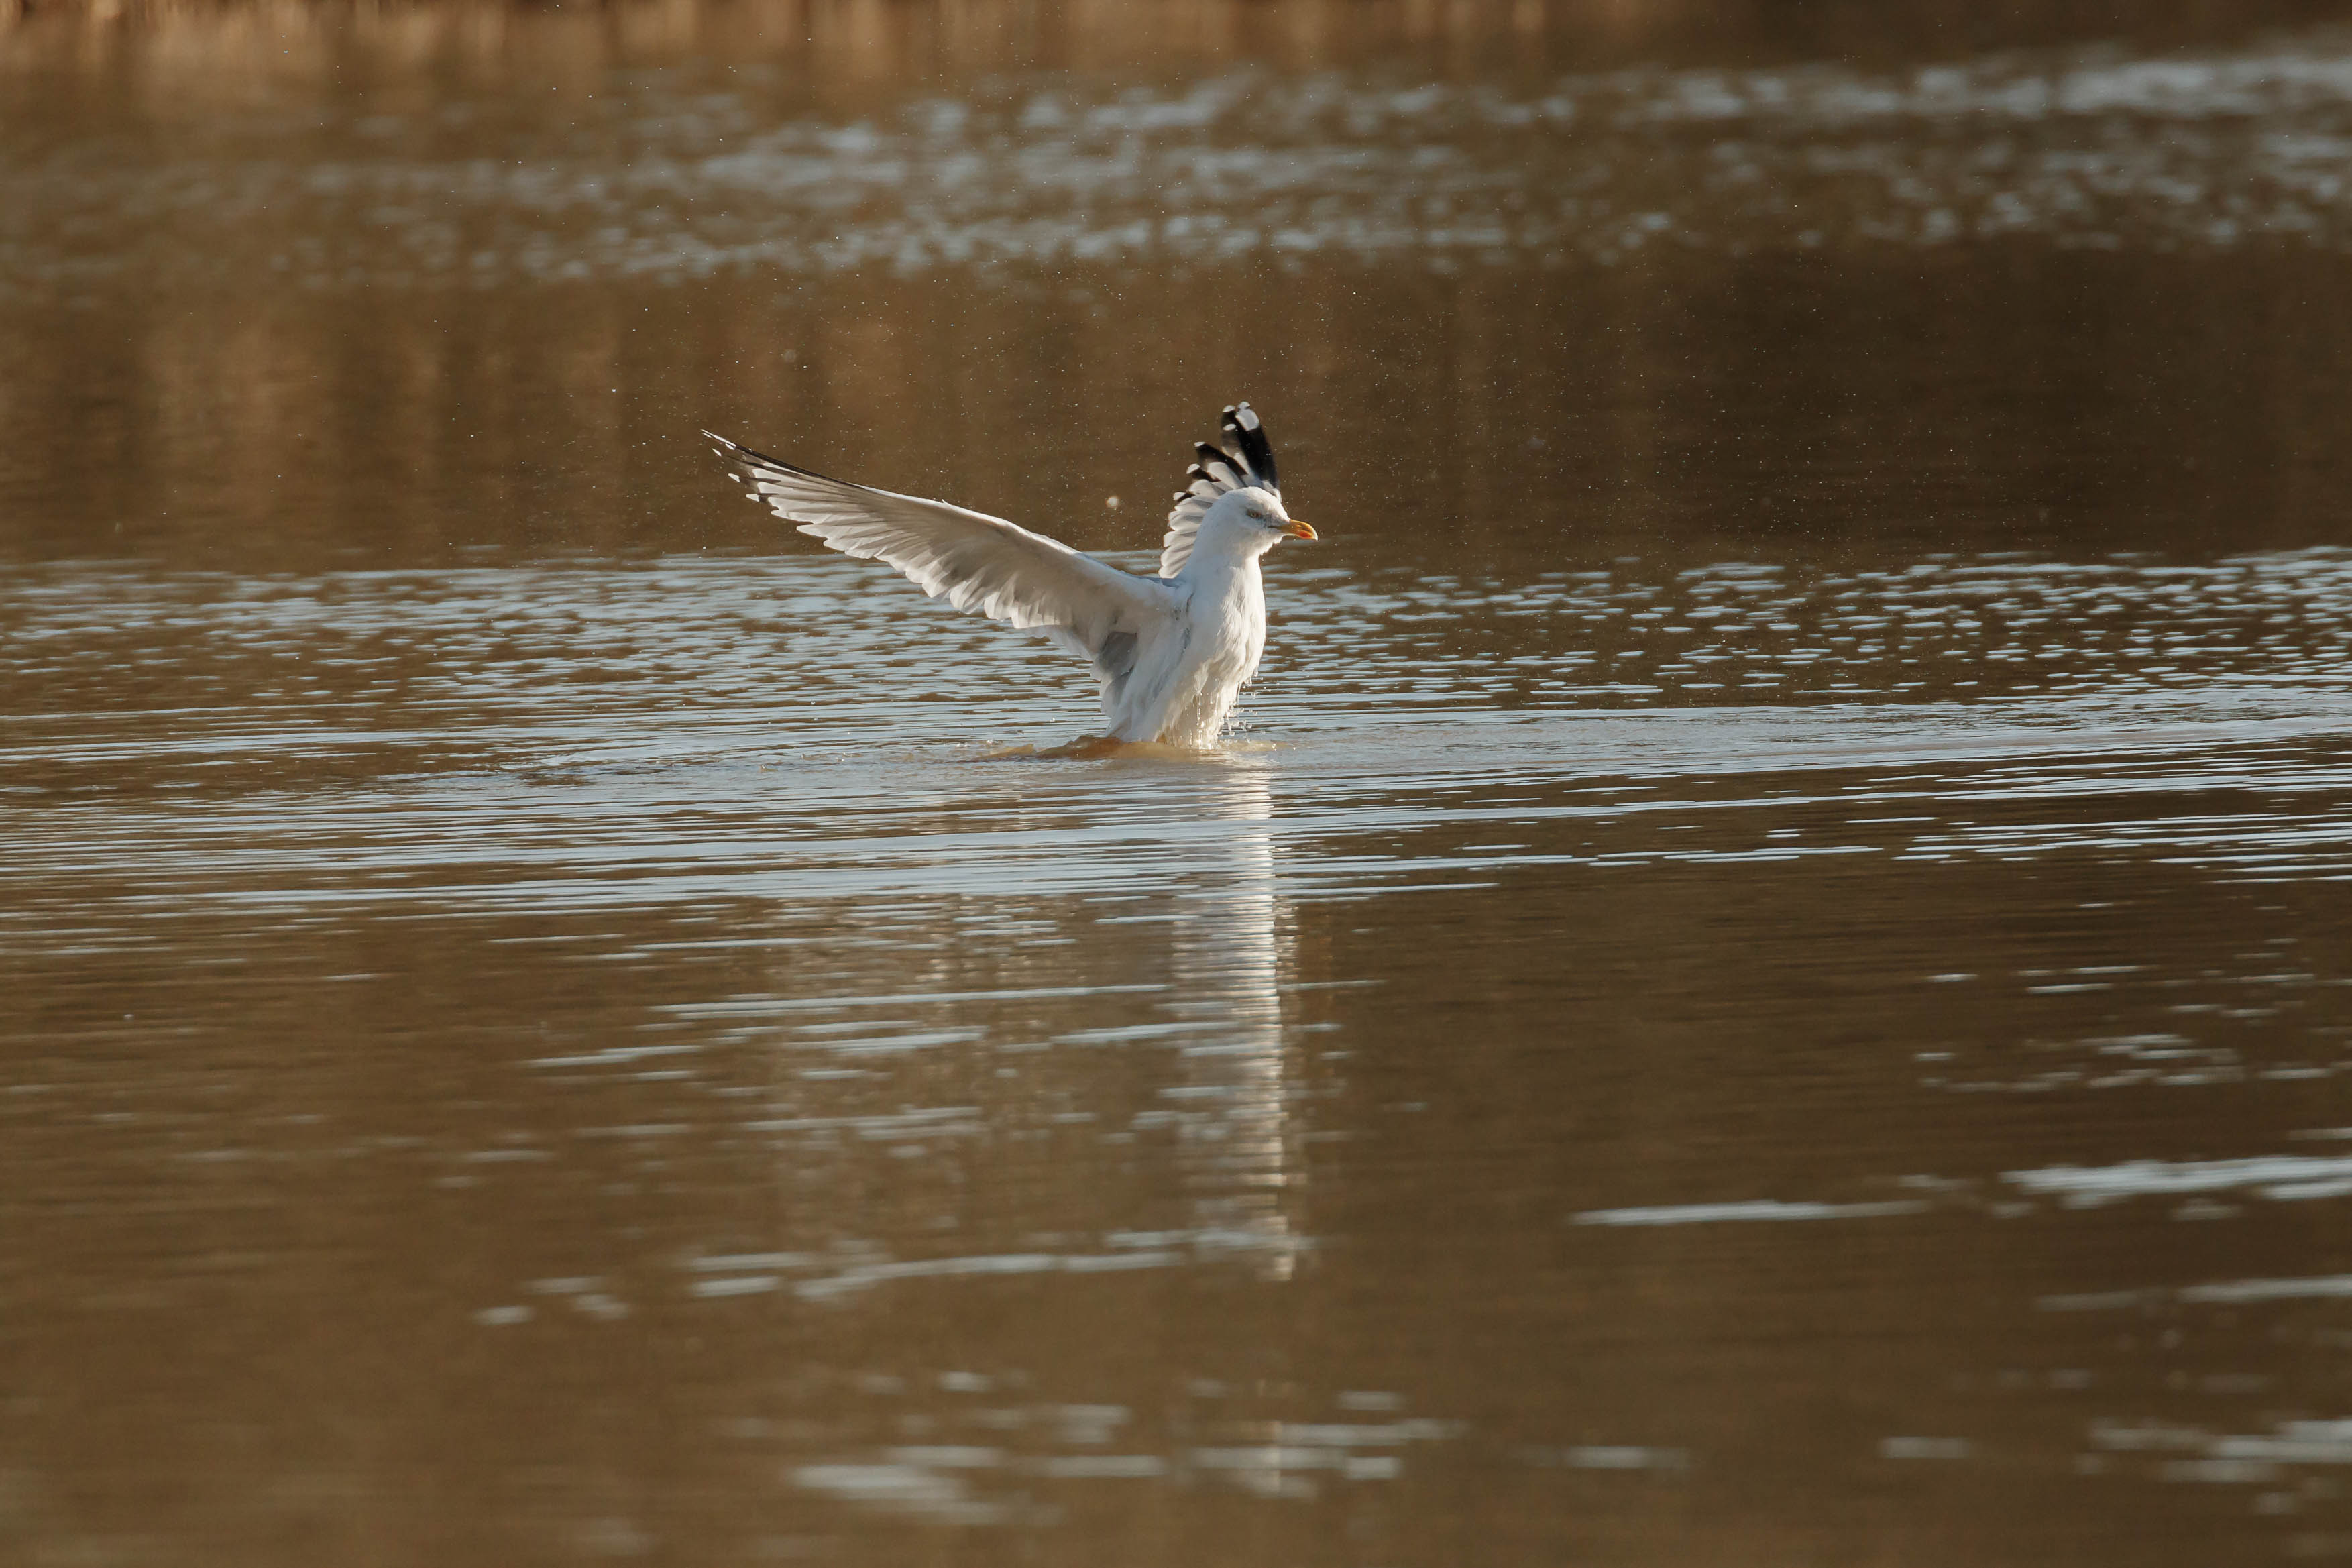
[{"x": 1233, "y": 943}]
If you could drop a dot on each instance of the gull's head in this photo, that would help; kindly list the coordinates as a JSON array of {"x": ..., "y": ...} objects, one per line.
[{"x": 1252, "y": 518}]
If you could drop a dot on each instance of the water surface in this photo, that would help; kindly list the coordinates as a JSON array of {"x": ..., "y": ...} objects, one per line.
[{"x": 1764, "y": 978}]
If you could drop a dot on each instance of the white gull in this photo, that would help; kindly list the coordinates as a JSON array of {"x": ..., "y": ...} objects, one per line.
[{"x": 1172, "y": 651}]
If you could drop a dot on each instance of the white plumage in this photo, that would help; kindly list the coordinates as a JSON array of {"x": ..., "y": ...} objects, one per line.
[{"x": 1172, "y": 651}]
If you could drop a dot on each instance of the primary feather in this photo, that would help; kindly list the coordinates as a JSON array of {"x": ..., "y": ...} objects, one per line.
[{"x": 1217, "y": 472}]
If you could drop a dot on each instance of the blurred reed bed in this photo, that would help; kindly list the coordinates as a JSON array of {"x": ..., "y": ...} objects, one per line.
[{"x": 233, "y": 50}]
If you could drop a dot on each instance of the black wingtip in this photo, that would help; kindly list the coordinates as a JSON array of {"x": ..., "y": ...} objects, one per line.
[
  {"x": 736, "y": 452},
  {"x": 1247, "y": 432}
]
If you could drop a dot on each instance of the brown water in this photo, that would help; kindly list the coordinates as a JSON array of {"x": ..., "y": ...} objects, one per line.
[{"x": 1765, "y": 980}]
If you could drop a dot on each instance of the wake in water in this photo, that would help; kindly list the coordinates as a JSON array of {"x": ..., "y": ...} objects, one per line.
[{"x": 1102, "y": 747}]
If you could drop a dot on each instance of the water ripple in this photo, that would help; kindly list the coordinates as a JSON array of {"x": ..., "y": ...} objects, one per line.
[{"x": 671, "y": 175}]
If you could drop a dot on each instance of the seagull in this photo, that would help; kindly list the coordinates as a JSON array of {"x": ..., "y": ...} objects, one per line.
[{"x": 1172, "y": 652}]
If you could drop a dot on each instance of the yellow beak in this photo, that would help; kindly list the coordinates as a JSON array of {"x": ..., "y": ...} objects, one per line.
[{"x": 1298, "y": 529}]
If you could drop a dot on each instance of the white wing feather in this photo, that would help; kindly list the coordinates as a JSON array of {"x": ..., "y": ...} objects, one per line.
[{"x": 977, "y": 564}]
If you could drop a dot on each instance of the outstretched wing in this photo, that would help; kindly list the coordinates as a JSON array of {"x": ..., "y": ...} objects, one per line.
[
  {"x": 1250, "y": 461},
  {"x": 977, "y": 562}
]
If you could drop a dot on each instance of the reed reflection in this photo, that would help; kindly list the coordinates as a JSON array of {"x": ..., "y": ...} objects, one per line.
[{"x": 181, "y": 57}]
